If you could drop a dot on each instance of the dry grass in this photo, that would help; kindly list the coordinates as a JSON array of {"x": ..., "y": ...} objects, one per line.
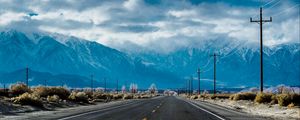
[
  {"x": 117, "y": 96},
  {"x": 54, "y": 98},
  {"x": 220, "y": 96},
  {"x": 28, "y": 99},
  {"x": 127, "y": 96},
  {"x": 41, "y": 91},
  {"x": 286, "y": 99},
  {"x": 18, "y": 89},
  {"x": 243, "y": 96},
  {"x": 79, "y": 97},
  {"x": 263, "y": 97},
  {"x": 63, "y": 93},
  {"x": 104, "y": 96}
]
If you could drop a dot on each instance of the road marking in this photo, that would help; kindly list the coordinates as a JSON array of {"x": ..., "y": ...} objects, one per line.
[
  {"x": 153, "y": 111},
  {"x": 91, "y": 112},
  {"x": 193, "y": 104}
]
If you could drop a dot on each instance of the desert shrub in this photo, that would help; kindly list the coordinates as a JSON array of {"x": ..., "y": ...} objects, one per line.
[
  {"x": 296, "y": 99},
  {"x": 28, "y": 99},
  {"x": 128, "y": 96},
  {"x": 54, "y": 98},
  {"x": 145, "y": 96},
  {"x": 79, "y": 97},
  {"x": 136, "y": 96},
  {"x": 41, "y": 91},
  {"x": 89, "y": 93},
  {"x": 263, "y": 98},
  {"x": 117, "y": 96},
  {"x": 18, "y": 89},
  {"x": 243, "y": 96},
  {"x": 220, "y": 96},
  {"x": 274, "y": 99},
  {"x": 284, "y": 99},
  {"x": 97, "y": 95},
  {"x": 194, "y": 97},
  {"x": 63, "y": 93}
]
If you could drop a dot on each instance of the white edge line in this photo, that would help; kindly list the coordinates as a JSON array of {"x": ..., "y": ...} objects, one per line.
[
  {"x": 91, "y": 112},
  {"x": 193, "y": 104}
]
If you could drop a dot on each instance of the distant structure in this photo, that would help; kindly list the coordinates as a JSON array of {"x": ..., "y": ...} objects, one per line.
[{"x": 261, "y": 21}]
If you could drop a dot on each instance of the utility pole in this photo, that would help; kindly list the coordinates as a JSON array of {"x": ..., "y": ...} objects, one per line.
[
  {"x": 187, "y": 87},
  {"x": 215, "y": 67},
  {"x": 104, "y": 85},
  {"x": 261, "y": 21},
  {"x": 27, "y": 76},
  {"x": 198, "y": 71},
  {"x": 191, "y": 85},
  {"x": 117, "y": 85},
  {"x": 45, "y": 82},
  {"x": 92, "y": 83}
]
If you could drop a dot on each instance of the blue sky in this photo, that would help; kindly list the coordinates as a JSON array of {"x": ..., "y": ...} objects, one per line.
[{"x": 163, "y": 25}]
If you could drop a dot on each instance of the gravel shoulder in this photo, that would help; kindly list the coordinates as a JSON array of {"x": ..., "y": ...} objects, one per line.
[
  {"x": 267, "y": 111},
  {"x": 60, "y": 112}
]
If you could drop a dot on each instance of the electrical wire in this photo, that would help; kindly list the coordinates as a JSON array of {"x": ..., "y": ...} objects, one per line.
[{"x": 285, "y": 10}]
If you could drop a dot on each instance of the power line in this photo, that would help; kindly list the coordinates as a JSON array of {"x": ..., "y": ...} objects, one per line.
[
  {"x": 261, "y": 21},
  {"x": 269, "y": 7},
  {"x": 273, "y": 5},
  {"x": 267, "y": 3},
  {"x": 286, "y": 10}
]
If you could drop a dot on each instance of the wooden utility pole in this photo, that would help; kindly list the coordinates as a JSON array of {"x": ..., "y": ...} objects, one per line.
[
  {"x": 187, "y": 87},
  {"x": 45, "y": 82},
  {"x": 92, "y": 83},
  {"x": 104, "y": 85},
  {"x": 117, "y": 85},
  {"x": 215, "y": 68},
  {"x": 191, "y": 90},
  {"x": 261, "y": 21},
  {"x": 27, "y": 70},
  {"x": 198, "y": 71}
]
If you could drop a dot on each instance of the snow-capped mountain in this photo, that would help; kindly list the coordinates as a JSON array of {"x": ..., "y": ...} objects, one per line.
[
  {"x": 59, "y": 56},
  {"x": 237, "y": 65}
]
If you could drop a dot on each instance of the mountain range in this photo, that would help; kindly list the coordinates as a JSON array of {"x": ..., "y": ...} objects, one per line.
[{"x": 68, "y": 60}]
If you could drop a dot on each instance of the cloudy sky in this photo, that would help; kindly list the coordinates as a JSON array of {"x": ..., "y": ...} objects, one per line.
[{"x": 163, "y": 25}]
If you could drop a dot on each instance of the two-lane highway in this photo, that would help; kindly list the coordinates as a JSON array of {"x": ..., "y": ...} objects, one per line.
[{"x": 161, "y": 108}]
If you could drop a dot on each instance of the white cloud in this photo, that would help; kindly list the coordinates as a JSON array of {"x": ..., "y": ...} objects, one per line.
[
  {"x": 8, "y": 17},
  {"x": 165, "y": 26}
]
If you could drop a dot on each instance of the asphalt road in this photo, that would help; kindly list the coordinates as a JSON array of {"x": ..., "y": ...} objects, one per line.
[{"x": 161, "y": 108}]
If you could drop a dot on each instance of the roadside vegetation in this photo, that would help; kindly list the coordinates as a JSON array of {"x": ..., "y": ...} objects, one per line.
[
  {"x": 42, "y": 96},
  {"x": 289, "y": 99}
]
